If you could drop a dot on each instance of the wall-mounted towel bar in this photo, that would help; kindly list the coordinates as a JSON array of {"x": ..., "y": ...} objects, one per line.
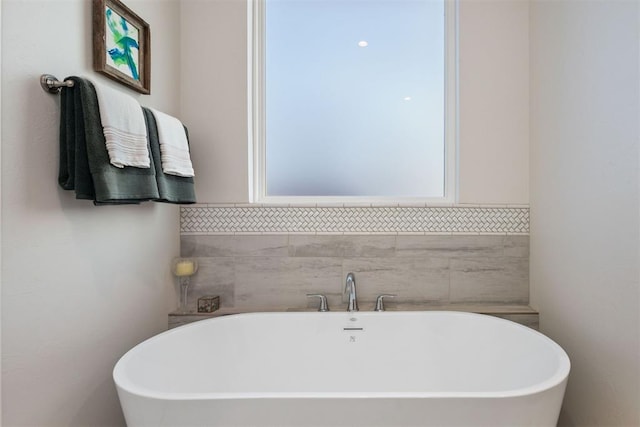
[{"x": 51, "y": 83}]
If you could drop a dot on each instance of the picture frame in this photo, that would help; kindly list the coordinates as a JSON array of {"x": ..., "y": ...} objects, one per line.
[{"x": 121, "y": 45}]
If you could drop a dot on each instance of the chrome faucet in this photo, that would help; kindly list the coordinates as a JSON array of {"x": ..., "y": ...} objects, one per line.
[{"x": 351, "y": 288}]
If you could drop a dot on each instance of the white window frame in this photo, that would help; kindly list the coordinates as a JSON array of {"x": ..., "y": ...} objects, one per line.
[{"x": 256, "y": 119}]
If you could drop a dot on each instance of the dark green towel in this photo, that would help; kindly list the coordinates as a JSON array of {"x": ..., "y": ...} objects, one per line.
[
  {"x": 172, "y": 188},
  {"x": 74, "y": 171},
  {"x": 84, "y": 160}
]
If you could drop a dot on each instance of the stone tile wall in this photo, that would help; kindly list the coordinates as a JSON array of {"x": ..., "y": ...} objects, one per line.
[{"x": 277, "y": 271}]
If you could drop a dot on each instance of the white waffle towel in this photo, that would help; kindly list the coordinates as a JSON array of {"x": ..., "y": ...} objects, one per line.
[
  {"x": 174, "y": 148},
  {"x": 124, "y": 128}
]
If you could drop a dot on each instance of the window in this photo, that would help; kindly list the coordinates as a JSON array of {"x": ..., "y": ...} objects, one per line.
[{"x": 353, "y": 99}]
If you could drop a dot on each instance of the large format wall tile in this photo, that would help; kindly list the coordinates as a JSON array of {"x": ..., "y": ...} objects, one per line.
[
  {"x": 466, "y": 246},
  {"x": 229, "y": 245},
  {"x": 516, "y": 246},
  {"x": 284, "y": 282},
  {"x": 304, "y": 245},
  {"x": 278, "y": 271},
  {"x": 490, "y": 280},
  {"x": 412, "y": 279},
  {"x": 215, "y": 276}
]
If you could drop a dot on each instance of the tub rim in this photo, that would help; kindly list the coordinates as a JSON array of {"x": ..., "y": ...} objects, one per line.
[{"x": 559, "y": 377}]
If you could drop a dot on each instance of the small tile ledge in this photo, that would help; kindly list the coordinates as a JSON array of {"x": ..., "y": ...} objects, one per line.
[{"x": 522, "y": 314}]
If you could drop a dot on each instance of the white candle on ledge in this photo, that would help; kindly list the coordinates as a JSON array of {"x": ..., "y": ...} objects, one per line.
[{"x": 184, "y": 268}]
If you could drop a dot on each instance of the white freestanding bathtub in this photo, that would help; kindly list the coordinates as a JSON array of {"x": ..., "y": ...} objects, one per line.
[{"x": 344, "y": 369}]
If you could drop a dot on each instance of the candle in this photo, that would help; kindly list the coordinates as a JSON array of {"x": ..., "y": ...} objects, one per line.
[{"x": 185, "y": 268}]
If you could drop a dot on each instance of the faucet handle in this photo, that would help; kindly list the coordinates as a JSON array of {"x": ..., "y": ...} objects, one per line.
[
  {"x": 324, "y": 306},
  {"x": 380, "y": 301}
]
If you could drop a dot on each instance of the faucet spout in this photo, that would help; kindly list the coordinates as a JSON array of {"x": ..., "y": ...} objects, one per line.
[{"x": 350, "y": 287}]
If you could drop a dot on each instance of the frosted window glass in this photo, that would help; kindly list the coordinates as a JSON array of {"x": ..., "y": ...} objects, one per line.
[{"x": 355, "y": 98}]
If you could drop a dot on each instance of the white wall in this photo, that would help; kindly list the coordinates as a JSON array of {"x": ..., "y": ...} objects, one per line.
[
  {"x": 80, "y": 284},
  {"x": 214, "y": 96},
  {"x": 585, "y": 218},
  {"x": 494, "y": 100},
  {"x": 0, "y": 218}
]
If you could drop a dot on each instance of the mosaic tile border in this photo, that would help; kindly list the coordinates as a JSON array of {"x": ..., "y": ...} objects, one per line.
[{"x": 235, "y": 219}]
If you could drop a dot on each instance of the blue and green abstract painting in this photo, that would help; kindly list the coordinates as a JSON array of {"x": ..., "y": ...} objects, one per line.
[{"x": 122, "y": 44}]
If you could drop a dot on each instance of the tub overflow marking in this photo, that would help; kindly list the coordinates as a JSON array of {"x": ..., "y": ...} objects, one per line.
[{"x": 352, "y": 327}]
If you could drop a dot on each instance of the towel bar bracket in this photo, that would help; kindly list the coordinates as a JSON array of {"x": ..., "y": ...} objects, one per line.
[{"x": 51, "y": 83}]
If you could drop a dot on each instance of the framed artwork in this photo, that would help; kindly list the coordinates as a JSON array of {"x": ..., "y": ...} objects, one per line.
[{"x": 121, "y": 45}]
